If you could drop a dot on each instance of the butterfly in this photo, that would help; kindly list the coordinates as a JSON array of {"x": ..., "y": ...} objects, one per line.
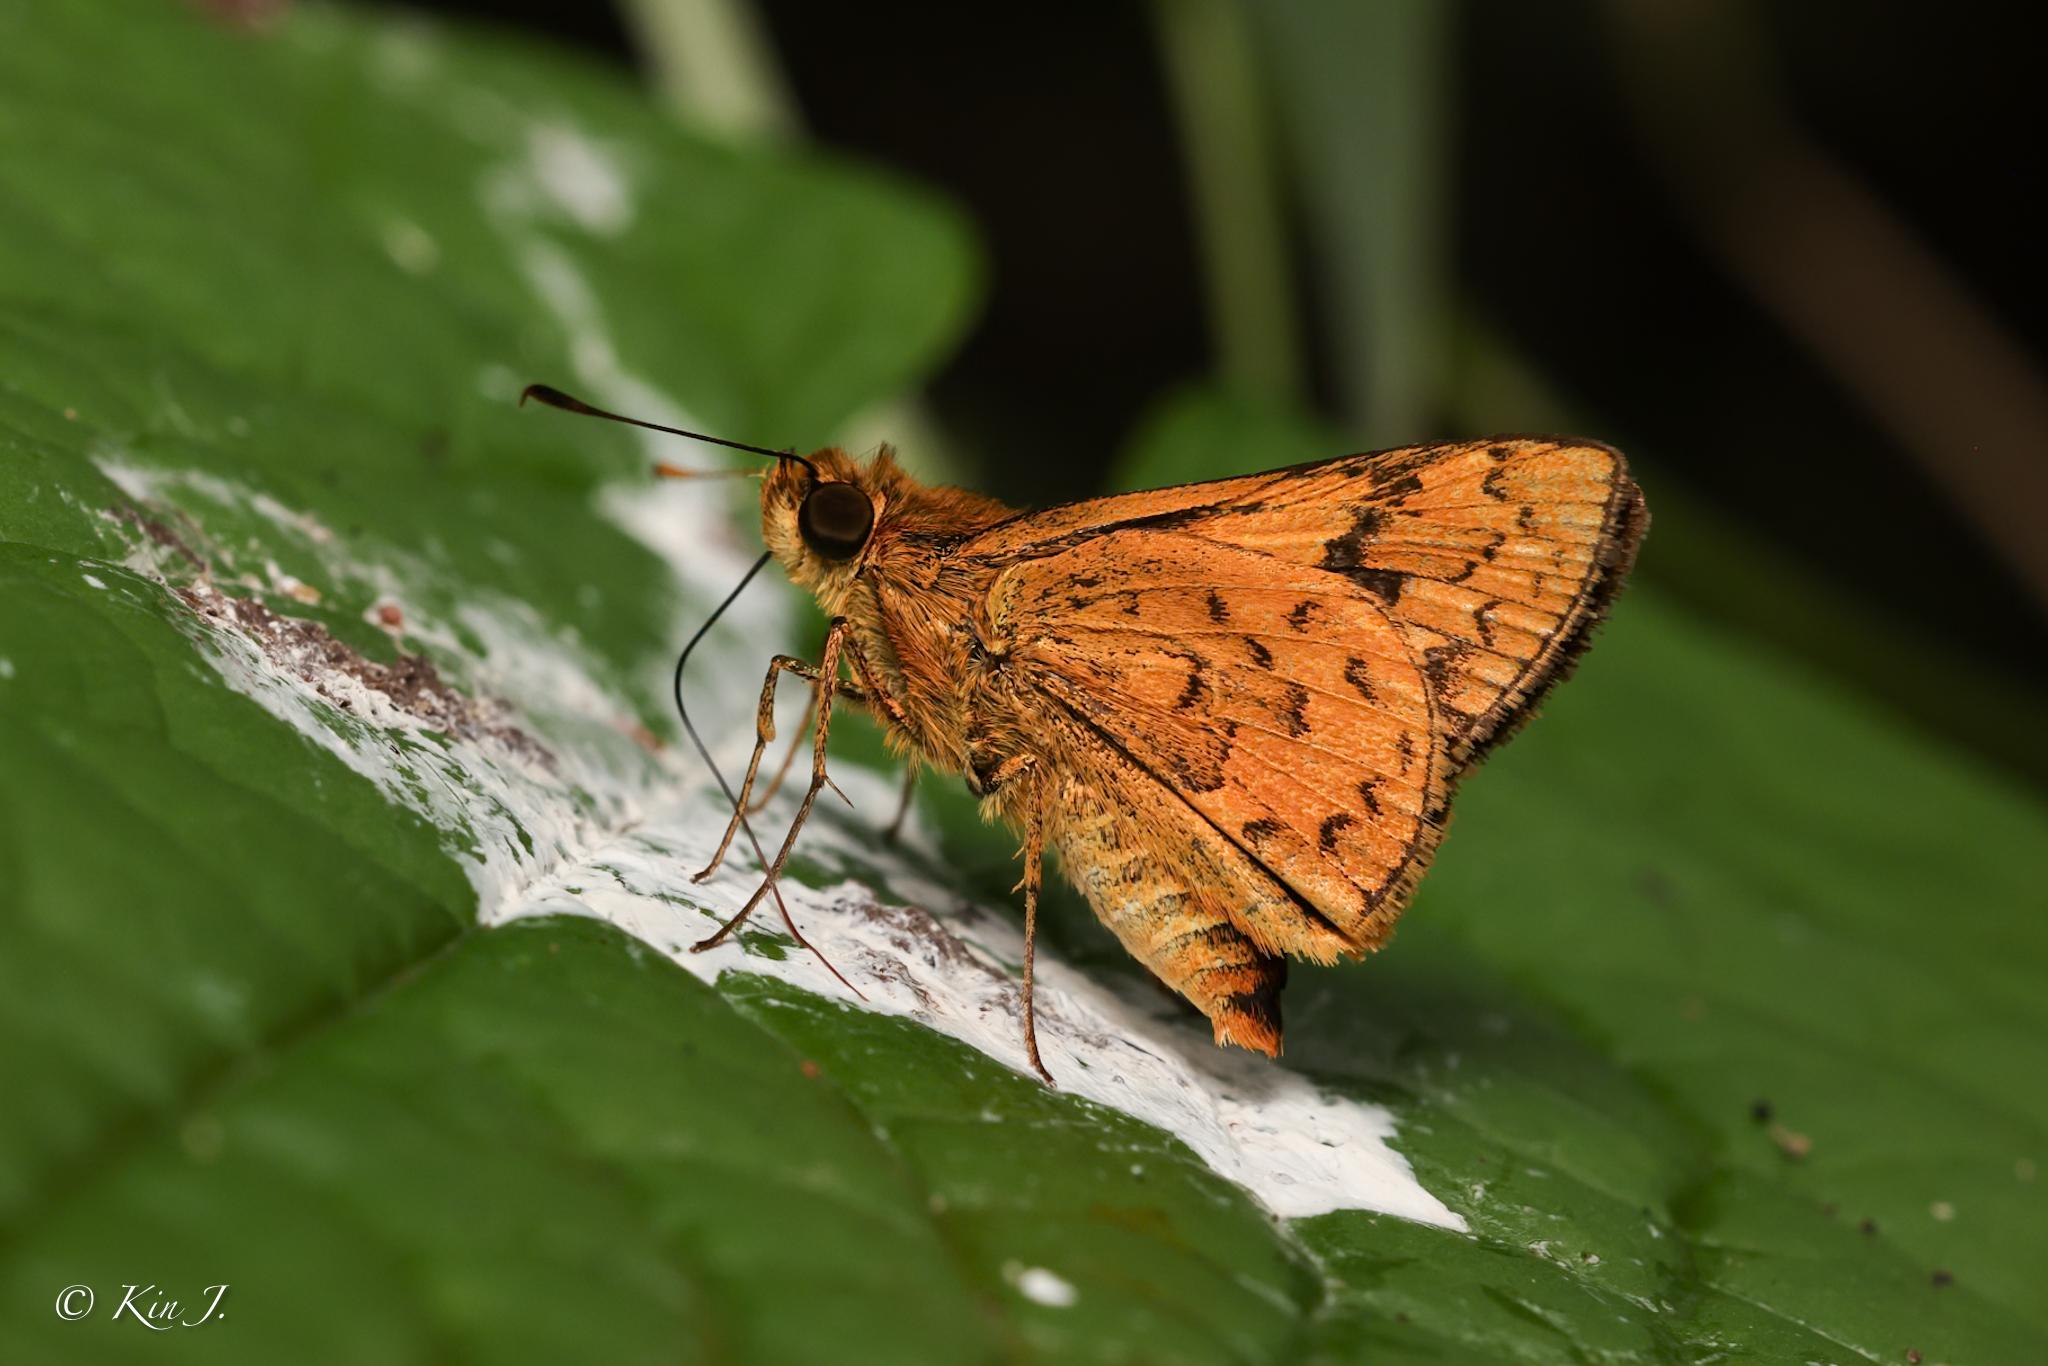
[{"x": 1236, "y": 710}]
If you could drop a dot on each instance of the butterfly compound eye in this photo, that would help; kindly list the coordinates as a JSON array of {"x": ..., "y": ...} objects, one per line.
[{"x": 835, "y": 520}]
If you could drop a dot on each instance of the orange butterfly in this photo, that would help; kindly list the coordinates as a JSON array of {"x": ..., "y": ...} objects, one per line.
[{"x": 1236, "y": 709}]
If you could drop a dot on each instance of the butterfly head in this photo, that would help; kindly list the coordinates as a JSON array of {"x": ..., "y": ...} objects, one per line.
[{"x": 819, "y": 516}]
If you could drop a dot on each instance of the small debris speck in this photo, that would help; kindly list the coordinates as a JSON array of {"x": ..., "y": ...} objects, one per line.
[
  {"x": 1942, "y": 1279},
  {"x": 1868, "y": 1228},
  {"x": 1791, "y": 1142},
  {"x": 1913, "y": 1356},
  {"x": 808, "y": 1068},
  {"x": 2024, "y": 1169},
  {"x": 1942, "y": 1211},
  {"x": 1760, "y": 1111},
  {"x": 1041, "y": 1286}
]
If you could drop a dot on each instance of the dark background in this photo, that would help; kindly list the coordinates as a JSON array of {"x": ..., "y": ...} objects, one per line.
[{"x": 1054, "y": 127}]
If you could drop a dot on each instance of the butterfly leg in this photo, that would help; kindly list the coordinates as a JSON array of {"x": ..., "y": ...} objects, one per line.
[
  {"x": 1028, "y": 806},
  {"x": 764, "y": 733},
  {"x": 895, "y": 826},
  {"x": 830, "y": 686},
  {"x": 796, "y": 743},
  {"x": 1034, "y": 851},
  {"x": 868, "y": 692}
]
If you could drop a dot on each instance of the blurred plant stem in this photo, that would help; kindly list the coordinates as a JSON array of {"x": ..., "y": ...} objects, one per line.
[
  {"x": 1361, "y": 91},
  {"x": 715, "y": 65},
  {"x": 1226, "y": 137},
  {"x": 1839, "y": 270}
]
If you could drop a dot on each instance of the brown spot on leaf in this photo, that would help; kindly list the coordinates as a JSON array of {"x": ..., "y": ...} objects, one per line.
[
  {"x": 309, "y": 651},
  {"x": 160, "y": 534}
]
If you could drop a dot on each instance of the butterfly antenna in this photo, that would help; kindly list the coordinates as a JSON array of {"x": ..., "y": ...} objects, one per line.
[
  {"x": 664, "y": 470},
  {"x": 569, "y": 403},
  {"x": 704, "y": 751}
]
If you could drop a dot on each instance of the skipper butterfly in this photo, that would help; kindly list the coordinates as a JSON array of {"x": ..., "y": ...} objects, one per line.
[{"x": 1236, "y": 709}]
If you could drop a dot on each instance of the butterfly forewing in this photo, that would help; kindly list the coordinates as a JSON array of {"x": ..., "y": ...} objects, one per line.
[{"x": 1494, "y": 557}]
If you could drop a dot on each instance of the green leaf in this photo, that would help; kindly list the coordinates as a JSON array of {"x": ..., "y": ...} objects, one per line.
[{"x": 344, "y": 920}]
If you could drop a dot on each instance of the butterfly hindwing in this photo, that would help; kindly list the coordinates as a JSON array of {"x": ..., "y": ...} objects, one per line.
[
  {"x": 1175, "y": 894},
  {"x": 1278, "y": 704}
]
